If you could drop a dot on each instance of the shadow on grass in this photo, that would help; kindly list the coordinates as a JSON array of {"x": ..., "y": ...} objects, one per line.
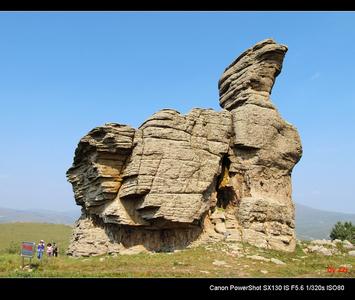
[{"x": 34, "y": 266}]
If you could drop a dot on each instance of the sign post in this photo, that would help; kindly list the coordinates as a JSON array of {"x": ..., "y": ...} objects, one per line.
[{"x": 27, "y": 250}]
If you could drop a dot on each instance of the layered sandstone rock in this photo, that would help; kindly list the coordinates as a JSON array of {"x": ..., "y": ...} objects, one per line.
[
  {"x": 182, "y": 179},
  {"x": 264, "y": 148}
]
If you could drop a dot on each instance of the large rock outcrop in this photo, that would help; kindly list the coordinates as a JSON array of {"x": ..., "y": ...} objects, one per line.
[{"x": 179, "y": 180}]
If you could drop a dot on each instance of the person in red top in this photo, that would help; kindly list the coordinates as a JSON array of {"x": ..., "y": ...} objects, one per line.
[{"x": 49, "y": 249}]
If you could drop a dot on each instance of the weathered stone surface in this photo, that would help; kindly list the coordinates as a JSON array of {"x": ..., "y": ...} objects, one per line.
[
  {"x": 217, "y": 215},
  {"x": 250, "y": 78},
  {"x": 277, "y": 261},
  {"x": 264, "y": 148},
  {"x": 175, "y": 163},
  {"x": 219, "y": 263},
  {"x": 91, "y": 236},
  {"x": 258, "y": 257},
  {"x": 134, "y": 250},
  {"x": 98, "y": 163},
  {"x": 221, "y": 228},
  {"x": 179, "y": 180},
  {"x": 320, "y": 250},
  {"x": 324, "y": 243},
  {"x": 348, "y": 245},
  {"x": 89, "y": 239}
]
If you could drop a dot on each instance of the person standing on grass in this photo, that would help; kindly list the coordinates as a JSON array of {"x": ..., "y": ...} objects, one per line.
[
  {"x": 40, "y": 249},
  {"x": 49, "y": 249},
  {"x": 55, "y": 249}
]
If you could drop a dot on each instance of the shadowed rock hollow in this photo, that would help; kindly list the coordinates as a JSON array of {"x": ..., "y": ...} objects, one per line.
[{"x": 180, "y": 180}]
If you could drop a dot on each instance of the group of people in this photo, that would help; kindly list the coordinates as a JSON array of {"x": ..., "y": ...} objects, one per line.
[{"x": 51, "y": 250}]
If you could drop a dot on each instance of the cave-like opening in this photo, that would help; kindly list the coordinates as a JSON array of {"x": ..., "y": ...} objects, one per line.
[{"x": 225, "y": 192}]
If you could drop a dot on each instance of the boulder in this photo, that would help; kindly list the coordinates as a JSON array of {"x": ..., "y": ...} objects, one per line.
[
  {"x": 277, "y": 261},
  {"x": 348, "y": 245},
  {"x": 320, "y": 250},
  {"x": 258, "y": 257},
  {"x": 324, "y": 243},
  {"x": 179, "y": 180},
  {"x": 219, "y": 263},
  {"x": 220, "y": 228}
]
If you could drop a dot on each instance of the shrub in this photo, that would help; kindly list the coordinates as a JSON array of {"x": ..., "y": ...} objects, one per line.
[
  {"x": 13, "y": 248},
  {"x": 343, "y": 231}
]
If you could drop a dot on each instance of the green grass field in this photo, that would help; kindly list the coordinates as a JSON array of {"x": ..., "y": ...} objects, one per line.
[
  {"x": 211, "y": 261},
  {"x": 12, "y": 234}
]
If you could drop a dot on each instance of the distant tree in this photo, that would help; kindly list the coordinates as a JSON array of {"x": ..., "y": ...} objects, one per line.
[{"x": 343, "y": 231}]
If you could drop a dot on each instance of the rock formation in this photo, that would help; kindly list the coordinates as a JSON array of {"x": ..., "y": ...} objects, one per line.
[{"x": 179, "y": 180}]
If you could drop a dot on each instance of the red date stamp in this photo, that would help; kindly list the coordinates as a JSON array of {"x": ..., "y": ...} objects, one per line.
[{"x": 331, "y": 269}]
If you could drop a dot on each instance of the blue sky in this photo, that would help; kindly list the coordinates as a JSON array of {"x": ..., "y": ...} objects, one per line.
[{"x": 61, "y": 74}]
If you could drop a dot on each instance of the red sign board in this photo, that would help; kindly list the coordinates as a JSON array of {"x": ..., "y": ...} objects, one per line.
[{"x": 28, "y": 249}]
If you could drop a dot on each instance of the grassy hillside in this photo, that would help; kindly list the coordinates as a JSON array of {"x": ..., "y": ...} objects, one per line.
[
  {"x": 310, "y": 223},
  {"x": 216, "y": 260},
  {"x": 8, "y": 215},
  {"x": 213, "y": 261},
  {"x": 12, "y": 234},
  {"x": 313, "y": 223}
]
